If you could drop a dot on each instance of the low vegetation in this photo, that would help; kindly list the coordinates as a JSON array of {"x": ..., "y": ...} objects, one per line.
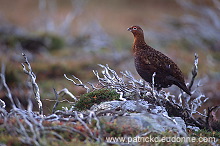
[{"x": 76, "y": 123}]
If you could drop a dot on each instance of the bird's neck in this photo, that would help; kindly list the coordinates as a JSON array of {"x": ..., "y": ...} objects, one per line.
[{"x": 139, "y": 42}]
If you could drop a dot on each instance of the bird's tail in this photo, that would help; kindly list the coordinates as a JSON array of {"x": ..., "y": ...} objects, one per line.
[{"x": 184, "y": 88}]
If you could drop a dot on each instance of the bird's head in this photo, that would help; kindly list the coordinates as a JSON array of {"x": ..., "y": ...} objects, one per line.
[{"x": 136, "y": 30}]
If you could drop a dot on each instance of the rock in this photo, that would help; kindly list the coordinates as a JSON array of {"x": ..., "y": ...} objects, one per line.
[
  {"x": 152, "y": 122},
  {"x": 140, "y": 115},
  {"x": 130, "y": 106}
]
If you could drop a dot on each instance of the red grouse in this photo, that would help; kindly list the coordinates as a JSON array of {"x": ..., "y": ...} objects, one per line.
[{"x": 149, "y": 61}]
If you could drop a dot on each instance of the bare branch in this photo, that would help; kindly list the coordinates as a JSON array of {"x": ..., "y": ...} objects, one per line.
[
  {"x": 194, "y": 71},
  {"x": 84, "y": 124},
  {"x": 2, "y": 104},
  {"x": 57, "y": 101},
  {"x": 9, "y": 95},
  {"x": 66, "y": 91},
  {"x": 33, "y": 78},
  {"x": 153, "y": 83},
  {"x": 80, "y": 82},
  {"x": 93, "y": 115}
]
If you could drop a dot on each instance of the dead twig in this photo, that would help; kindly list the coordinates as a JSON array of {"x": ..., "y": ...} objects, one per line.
[
  {"x": 33, "y": 81},
  {"x": 66, "y": 91},
  {"x": 9, "y": 95},
  {"x": 85, "y": 125},
  {"x": 194, "y": 71},
  {"x": 80, "y": 82},
  {"x": 57, "y": 101}
]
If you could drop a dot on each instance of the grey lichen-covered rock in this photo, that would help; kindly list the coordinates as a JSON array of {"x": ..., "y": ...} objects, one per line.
[
  {"x": 140, "y": 115},
  {"x": 152, "y": 122},
  {"x": 130, "y": 106}
]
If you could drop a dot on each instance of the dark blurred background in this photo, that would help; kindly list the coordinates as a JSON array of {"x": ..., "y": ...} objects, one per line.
[{"x": 73, "y": 36}]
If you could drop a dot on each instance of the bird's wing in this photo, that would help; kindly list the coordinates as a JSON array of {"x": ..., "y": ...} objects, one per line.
[
  {"x": 159, "y": 62},
  {"x": 162, "y": 65}
]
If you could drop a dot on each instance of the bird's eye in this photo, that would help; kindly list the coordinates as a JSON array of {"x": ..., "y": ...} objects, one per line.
[{"x": 134, "y": 28}]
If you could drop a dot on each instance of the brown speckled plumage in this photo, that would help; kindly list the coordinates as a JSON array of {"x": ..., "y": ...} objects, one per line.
[{"x": 149, "y": 61}]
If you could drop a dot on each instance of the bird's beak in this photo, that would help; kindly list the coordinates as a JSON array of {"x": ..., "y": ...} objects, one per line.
[{"x": 129, "y": 29}]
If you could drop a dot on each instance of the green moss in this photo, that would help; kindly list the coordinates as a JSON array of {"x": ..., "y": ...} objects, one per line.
[{"x": 96, "y": 97}]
